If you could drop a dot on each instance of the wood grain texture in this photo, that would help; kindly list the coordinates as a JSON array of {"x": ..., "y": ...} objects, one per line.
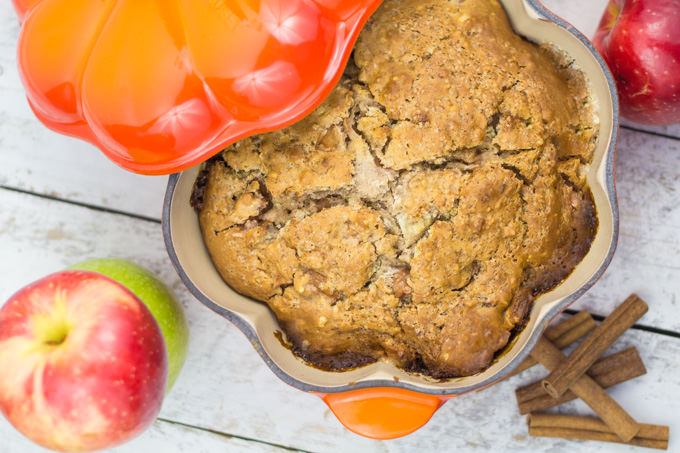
[
  {"x": 647, "y": 259},
  {"x": 584, "y": 15},
  {"x": 225, "y": 386},
  {"x": 160, "y": 437}
]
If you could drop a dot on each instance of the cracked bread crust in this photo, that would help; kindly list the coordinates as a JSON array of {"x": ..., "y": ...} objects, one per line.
[{"x": 416, "y": 214}]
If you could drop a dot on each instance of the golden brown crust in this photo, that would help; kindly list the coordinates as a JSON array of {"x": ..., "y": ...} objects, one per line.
[
  {"x": 340, "y": 245},
  {"x": 418, "y": 211}
]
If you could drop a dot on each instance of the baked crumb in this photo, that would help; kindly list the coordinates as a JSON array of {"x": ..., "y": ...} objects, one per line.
[{"x": 416, "y": 214}]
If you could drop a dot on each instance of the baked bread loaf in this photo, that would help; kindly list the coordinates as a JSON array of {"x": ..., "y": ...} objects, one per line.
[{"x": 416, "y": 214}]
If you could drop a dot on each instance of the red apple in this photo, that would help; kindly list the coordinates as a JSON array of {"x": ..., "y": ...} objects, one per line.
[
  {"x": 83, "y": 365},
  {"x": 158, "y": 298},
  {"x": 640, "y": 41}
]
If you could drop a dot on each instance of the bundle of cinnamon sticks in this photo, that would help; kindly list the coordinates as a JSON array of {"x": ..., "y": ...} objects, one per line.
[{"x": 584, "y": 374}]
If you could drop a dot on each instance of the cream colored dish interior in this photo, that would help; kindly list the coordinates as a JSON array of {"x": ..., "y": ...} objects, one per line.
[{"x": 193, "y": 257}]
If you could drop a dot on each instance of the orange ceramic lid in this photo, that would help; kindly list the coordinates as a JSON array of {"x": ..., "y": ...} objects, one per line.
[{"x": 161, "y": 85}]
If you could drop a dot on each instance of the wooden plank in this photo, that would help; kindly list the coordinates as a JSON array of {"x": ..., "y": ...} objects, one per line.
[
  {"x": 582, "y": 14},
  {"x": 671, "y": 130},
  {"x": 160, "y": 437},
  {"x": 647, "y": 260},
  {"x": 225, "y": 386}
]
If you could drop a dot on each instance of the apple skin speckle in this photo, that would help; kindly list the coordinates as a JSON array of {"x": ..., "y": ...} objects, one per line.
[
  {"x": 640, "y": 41},
  {"x": 73, "y": 375}
]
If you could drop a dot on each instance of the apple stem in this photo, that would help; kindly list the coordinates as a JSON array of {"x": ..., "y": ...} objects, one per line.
[
  {"x": 57, "y": 335},
  {"x": 52, "y": 328}
]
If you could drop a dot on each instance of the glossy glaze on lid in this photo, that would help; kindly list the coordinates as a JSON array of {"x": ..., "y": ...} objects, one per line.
[
  {"x": 193, "y": 263},
  {"x": 162, "y": 85}
]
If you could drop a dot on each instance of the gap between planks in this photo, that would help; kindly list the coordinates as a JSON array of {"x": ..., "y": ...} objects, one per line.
[
  {"x": 666, "y": 332},
  {"x": 230, "y": 436},
  {"x": 654, "y": 133},
  {"x": 81, "y": 204}
]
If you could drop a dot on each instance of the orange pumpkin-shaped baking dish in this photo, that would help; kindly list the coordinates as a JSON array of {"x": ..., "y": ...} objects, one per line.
[
  {"x": 161, "y": 85},
  {"x": 380, "y": 400}
]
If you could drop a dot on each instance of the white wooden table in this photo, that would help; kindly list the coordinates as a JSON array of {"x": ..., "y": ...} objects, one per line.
[{"x": 62, "y": 201}]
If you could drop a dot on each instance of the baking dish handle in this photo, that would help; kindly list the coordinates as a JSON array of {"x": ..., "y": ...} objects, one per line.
[{"x": 382, "y": 413}]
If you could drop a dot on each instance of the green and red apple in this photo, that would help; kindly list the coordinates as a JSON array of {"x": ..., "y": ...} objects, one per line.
[
  {"x": 87, "y": 354},
  {"x": 157, "y": 297},
  {"x": 83, "y": 363}
]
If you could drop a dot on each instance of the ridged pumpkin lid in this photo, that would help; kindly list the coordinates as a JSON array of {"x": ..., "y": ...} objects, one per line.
[{"x": 161, "y": 85}]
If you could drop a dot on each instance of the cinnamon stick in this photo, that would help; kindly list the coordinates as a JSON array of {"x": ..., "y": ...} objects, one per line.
[
  {"x": 562, "y": 335},
  {"x": 590, "y": 392},
  {"x": 607, "y": 372},
  {"x": 588, "y": 428},
  {"x": 592, "y": 347}
]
